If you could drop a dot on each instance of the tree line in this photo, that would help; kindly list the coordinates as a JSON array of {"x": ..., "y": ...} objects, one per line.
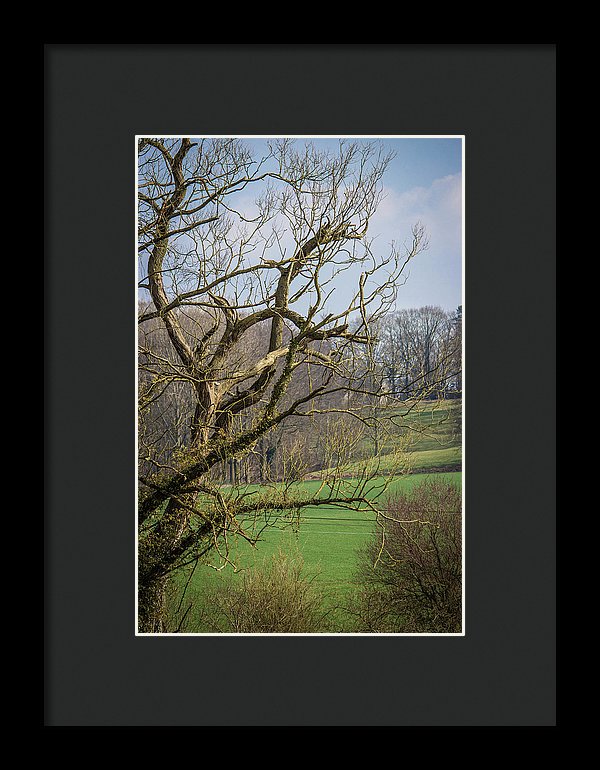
[{"x": 416, "y": 355}]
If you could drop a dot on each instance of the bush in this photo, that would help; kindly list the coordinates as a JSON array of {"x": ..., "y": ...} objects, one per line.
[
  {"x": 410, "y": 575},
  {"x": 274, "y": 598}
]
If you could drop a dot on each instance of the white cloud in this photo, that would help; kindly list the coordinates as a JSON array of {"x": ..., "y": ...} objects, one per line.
[
  {"x": 434, "y": 276},
  {"x": 438, "y": 207}
]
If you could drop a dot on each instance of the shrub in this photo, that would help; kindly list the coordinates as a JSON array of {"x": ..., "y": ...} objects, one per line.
[
  {"x": 410, "y": 575},
  {"x": 274, "y": 598}
]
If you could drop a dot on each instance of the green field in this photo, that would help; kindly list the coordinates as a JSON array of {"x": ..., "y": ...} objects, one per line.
[
  {"x": 418, "y": 461},
  {"x": 430, "y": 434},
  {"x": 326, "y": 537},
  {"x": 434, "y": 424}
]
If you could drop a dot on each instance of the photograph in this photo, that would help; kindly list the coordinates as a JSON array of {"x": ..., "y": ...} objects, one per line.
[
  {"x": 295, "y": 298},
  {"x": 299, "y": 381}
]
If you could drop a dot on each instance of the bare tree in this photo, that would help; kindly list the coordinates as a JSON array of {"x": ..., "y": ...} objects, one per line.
[
  {"x": 420, "y": 351},
  {"x": 230, "y": 244}
]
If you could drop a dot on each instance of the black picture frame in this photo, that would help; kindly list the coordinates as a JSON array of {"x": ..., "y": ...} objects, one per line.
[{"x": 503, "y": 99}]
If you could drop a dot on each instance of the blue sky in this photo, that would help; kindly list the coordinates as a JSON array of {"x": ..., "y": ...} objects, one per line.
[{"x": 423, "y": 183}]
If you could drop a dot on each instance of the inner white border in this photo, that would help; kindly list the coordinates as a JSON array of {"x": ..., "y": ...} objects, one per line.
[{"x": 135, "y": 283}]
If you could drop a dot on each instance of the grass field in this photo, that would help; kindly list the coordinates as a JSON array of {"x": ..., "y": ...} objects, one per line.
[
  {"x": 327, "y": 538},
  {"x": 419, "y": 461},
  {"x": 432, "y": 431},
  {"x": 435, "y": 424}
]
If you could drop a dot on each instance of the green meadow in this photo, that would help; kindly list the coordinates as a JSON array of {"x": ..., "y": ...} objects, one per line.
[{"x": 327, "y": 538}]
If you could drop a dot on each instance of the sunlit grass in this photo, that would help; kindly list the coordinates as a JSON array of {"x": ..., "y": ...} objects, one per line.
[{"x": 326, "y": 537}]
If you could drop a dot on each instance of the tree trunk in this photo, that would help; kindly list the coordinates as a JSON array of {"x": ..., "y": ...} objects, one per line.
[
  {"x": 158, "y": 551},
  {"x": 152, "y": 606}
]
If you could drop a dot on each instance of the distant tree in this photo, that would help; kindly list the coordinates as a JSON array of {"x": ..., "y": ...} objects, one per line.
[
  {"x": 419, "y": 351},
  {"x": 237, "y": 289},
  {"x": 455, "y": 335}
]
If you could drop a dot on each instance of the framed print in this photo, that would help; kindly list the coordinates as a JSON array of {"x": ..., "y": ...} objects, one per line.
[{"x": 125, "y": 178}]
